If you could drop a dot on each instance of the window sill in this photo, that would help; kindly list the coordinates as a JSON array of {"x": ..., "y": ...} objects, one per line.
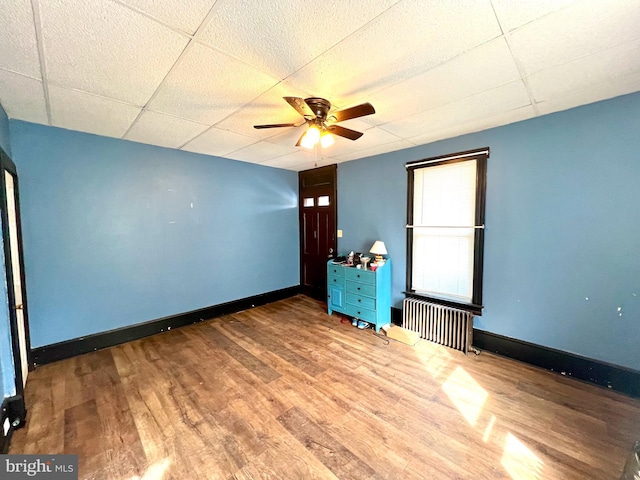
[{"x": 448, "y": 302}]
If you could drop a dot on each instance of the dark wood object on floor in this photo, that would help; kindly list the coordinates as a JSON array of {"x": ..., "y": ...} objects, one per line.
[{"x": 285, "y": 391}]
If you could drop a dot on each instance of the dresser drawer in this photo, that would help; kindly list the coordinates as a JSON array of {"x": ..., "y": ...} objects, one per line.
[
  {"x": 361, "y": 313},
  {"x": 336, "y": 270},
  {"x": 360, "y": 301},
  {"x": 361, "y": 289},
  {"x": 335, "y": 280},
  {"x": 364, "y": 276}
]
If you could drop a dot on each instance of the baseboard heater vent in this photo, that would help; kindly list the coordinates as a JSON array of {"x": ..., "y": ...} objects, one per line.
[{"x": 439, "y": 324}]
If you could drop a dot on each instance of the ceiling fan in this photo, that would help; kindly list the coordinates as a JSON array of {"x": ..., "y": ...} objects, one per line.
[{"x": 321, "y": 120}]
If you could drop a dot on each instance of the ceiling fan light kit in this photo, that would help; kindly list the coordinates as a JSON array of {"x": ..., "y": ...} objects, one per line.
[{"x": 322, "y": 121}]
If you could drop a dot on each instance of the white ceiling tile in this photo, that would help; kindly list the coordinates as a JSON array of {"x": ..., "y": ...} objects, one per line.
[
  {"x": 218, "y": 142},
  {"x": 288, "y": 136},
  {"x": 515, "y": 13},
  {"x": 207, "y": 86},
  {"x": 164, "y": 130},
  {"x": 585, "y": 72},
  {"x": 573, "y": 32},
  {"x": 84, "y": 112},
  {"x": 268, "y": 108},
  {"x": 372, "y": 138},
  {"x": 483, "y": 68},
  {"x": 107, "y": 49},
  {"x": 260, "y": 152},
  {"x": 186, "y": 15},
  {"x": 285, "y": 46},
  {"x": 409, "y": 38},
  {"x": 22, "y": 97},
  {"x": 19, "y": 52},
  {"x": 503, "y": 118},
  {"x": 293, "y": 160},
  {"x": 370, "y": 152},
  {"x": 612, "y": 88},
  {"x": 488, "y": 103}
]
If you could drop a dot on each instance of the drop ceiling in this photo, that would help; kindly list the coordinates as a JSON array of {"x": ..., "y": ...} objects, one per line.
[{"x": 196, "y": 75}]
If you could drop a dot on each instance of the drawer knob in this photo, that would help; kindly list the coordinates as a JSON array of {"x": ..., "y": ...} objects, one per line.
[
  {"x": 358, "y": 276},
  {"x": 358, "y": 287},
  {"x": 359, "y": 300},
  {"x": 334, "y": 280}
]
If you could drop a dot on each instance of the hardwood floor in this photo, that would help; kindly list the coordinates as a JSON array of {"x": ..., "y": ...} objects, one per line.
[{"x": 284, "y": 391}]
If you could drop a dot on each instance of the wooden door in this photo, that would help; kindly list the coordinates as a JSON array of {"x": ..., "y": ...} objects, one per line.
[
  {"x": 318, "y": 213},
  {"x": 14, "y": 266}
]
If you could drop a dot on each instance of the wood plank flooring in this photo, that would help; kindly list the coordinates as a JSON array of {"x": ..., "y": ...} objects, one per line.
[{"x": 285, "y": 391}]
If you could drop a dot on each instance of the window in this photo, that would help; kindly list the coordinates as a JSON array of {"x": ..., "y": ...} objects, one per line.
[{"x": 445, "y": 228}]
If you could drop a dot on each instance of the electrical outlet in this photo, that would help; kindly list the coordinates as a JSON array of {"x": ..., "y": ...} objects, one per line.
[{"x": 339, "y": 233}]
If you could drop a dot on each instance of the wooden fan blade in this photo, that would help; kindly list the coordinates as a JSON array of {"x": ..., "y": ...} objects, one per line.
[
  {"x": 300, "y": 139},
  {"x": 300, "y": 106},
  {"x": 277, "y": 125},
  {"x": 353, "y": 112},
  {"x": 344, "y": 132}
]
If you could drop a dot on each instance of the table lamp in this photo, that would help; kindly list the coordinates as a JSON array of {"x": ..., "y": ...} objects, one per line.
[{"x": 378, "y": 249}]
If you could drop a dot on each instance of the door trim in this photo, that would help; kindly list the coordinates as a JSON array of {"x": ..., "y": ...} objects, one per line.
[
  {"x": 329, "y": 187},
  {"x": 7, "y": 164}
]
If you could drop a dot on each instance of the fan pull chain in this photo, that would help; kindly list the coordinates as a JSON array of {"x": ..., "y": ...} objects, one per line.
[{"x": 316, "y": 147}]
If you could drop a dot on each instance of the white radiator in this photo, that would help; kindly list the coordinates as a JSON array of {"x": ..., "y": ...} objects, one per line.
[{"x": 437, "y": 323}]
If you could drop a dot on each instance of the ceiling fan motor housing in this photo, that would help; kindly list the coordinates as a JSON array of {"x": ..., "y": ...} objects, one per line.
[{"x": 320, "y": 107}]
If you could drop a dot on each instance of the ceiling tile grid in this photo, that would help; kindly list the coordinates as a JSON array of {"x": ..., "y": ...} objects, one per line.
[
  {"x": 485, "y": 67},
  {"x": 409, "y": 38},
  {"x": 586, "y": 72},
  {"x": 207, "y": 86},
  {"x": 184, "y": 15},
  {"x": 104, "y": 48},
  {"x": 197, "y": 75},
  {"x": 280, "y": 37},
  {"x": 516, "y": 13},
  {"x": 164, "y": 130},
  {"x": 485, "y": 104},
  {"x": 579, "y": 30}
]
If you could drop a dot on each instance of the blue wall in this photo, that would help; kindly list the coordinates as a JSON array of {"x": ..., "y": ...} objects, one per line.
[
  {"x": 5, "y": 141},
  {"x": 117, "y": 233},
  {"x": 562, "y": 262},
  {"x": 7, "y": 372}
]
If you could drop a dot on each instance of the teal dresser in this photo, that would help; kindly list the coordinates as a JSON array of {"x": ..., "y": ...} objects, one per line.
[{"x": 362, "y": 294}]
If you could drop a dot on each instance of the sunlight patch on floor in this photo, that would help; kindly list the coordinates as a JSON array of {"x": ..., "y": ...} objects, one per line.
[
  {"x": 466, "y": 394},
  {"x": 155, "y": 472},
  {"x": 434, "y": 360},
  {"x": 487, "y": 431},
  {"x": 519, "y": 461}
]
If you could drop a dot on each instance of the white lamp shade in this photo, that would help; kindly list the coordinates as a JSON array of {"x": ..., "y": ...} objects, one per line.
[
  {"x": 326, "y": 140},
  {"x": 378, "y": 248},
  {"x": 311, "y": 137}
]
